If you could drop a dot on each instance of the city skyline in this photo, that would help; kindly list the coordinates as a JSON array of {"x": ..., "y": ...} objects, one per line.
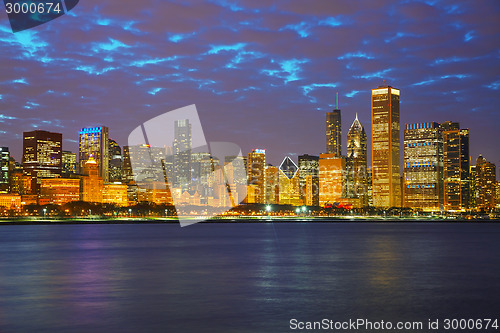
[{"x": 258, "y": 74}]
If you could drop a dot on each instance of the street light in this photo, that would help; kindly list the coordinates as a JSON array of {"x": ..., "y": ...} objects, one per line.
[
  {"x": 44, "y": 212},
  {"x": 129, "y": 212}
]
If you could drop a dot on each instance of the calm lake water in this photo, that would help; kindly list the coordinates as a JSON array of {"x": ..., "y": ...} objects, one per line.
[{"x": 243, "y": 277}]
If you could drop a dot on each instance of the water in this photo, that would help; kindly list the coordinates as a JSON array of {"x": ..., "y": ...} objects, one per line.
[{"x": 243, "y": 277}]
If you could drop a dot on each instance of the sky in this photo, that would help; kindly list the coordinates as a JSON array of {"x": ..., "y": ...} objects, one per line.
[{"x": 262, "y": 74}]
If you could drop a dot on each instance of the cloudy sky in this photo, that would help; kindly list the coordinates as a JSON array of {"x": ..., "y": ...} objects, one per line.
[{"x": 261, "y": 73}]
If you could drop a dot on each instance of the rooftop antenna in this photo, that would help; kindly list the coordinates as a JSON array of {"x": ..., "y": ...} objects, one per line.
[
  {"x": 356, "y": 116},
  {"x": 337, "y": 101}
]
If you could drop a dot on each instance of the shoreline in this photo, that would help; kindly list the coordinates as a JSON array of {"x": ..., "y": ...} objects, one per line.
[{"x": 263, "y": 220}]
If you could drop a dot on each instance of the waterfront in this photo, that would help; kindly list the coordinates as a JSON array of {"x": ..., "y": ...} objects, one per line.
[{"x": 242, "y": 277}]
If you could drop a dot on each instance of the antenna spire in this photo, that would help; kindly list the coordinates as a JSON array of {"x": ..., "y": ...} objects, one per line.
[
  {"x": 337, "y": 101},
  {"x": 356, "y": 116}
]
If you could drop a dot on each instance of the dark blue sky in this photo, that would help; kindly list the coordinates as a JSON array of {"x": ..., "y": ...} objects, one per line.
[{"x": 261, "y": 73}]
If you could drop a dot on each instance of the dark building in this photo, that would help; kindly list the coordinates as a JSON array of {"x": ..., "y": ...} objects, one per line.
[
  {"x": 4, "y": 168},
  {"x": 42, "y": 156},
  {"x": 115, "y": 162},
  {"x": 69, "y": 165},
  {"x": 309, "y": 179},
  {"x": 334, "y": 133},
  {"x": 356, "y": 164},
  {"x": 455, "y": 167}
]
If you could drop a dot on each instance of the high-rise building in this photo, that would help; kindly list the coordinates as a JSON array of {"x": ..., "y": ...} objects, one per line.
[
  {"x": 356, "y": 164},
  {"x": 272, "y": 185},
  {"x": 472, "y": 187},
  {"x": 455, "y": 166},
  {"x": 42, "y": 156},
  {"x": 143, "y": 163},
  {"x": 257, "y": 175},
  {"x": 334, "y": 132},
  {"x": 4, "y": 168},
  {"x": 423, "y": 166},
  {"x": 182, "y": 153},
  {"x": 115, "y": 162},
  {"x": 288, "y": 179},
  {"x": 485, "y": 184},
  {"x": 94, "y": 141},
  {"x": 68, "y": 164},
  {"x": 127, "y": 172},
  {"x": 239, "y": 169},
  {"x": 386, "y": 171},
  {"x": 331, "y": 179},
  {"x": 309, "y": 169}
]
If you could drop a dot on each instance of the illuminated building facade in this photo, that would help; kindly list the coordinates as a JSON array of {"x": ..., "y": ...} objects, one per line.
[
  {"x": 272, "y": 185},
  {"x": 309, "y": 179},
  {"x": 334, "y": 133},
  {"x": 455, "y": 166},
  {"x": 59, "y": 191},
  {"x": 423, "y": 166},
  {"x": 288, "y": 178},
  {"x": 485, "y": 184},
  {"x": 472, "y": 187},
  {"x": 115, "y": 161},
  {"x": 115, "y": 194},
  {"x": 257, "y": 176},
  {"x": 91, "y": 184},
  {"x": 10, "y": 200},
  {"x": 356, "y": 164},
  {"x": 331, "y": 179},
  {"x": 19, "y": 182},
  {"x": 4, "y": 168},
  {"x": 68, "y": 164},
  {"x": 42, "y": 156},
  {"x": 386, "y": 173},
  {"x": 182, "y": 154},
  {"x": 94, "y": 141}
]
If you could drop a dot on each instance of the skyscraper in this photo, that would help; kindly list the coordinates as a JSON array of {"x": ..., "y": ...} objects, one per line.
[
  {"x": 289, "y": 183},
  {"x": 331, "y": 179},
  {"x": 182, "y": 153},
  {"x": 334, "y": 132},
  {"x": 94, "y": 141},
  {"x": 309, "y": 169},
  {"x": 356, "y": 164},
  {"x": 257, "y": 175},
  {"x": 4, "y": 168},
  {"x": 455, "y": 166},
  {"x": 423, "y": 166},
  {"x": 68, "y": 164},
  {"x": 485, "y": 184},
  {"x": 42, "y": 156},
  {"x": 115, "y": 161},
  {"x": 272, "y": 185},
  {"x": 386, "y": 174}
]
